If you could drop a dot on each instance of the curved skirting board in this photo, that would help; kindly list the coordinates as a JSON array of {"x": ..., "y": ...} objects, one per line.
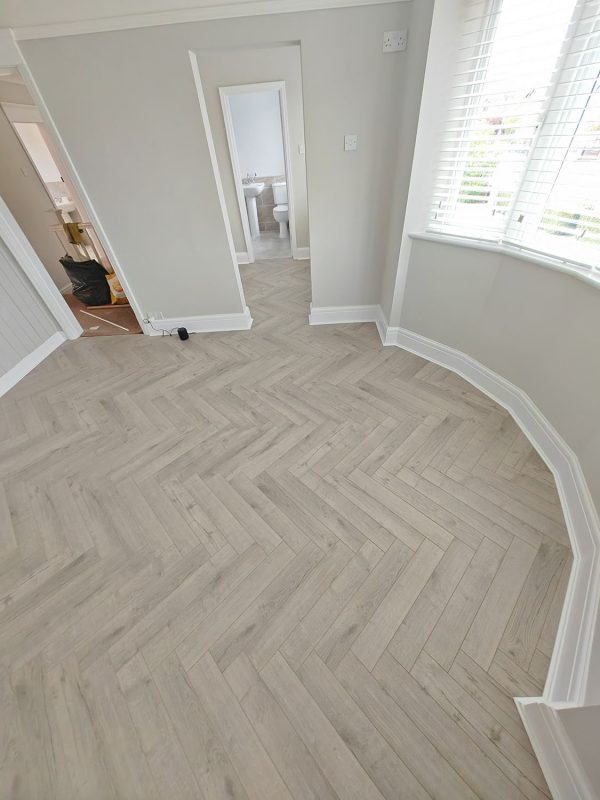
[
  {"x": 559, "y": 762},
  {"x": 571, "y": 682},
  {"x": 573, "y": 679}
]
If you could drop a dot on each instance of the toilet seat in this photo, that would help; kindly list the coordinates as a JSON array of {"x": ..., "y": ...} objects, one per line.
[{"x": 282, "y": 207}]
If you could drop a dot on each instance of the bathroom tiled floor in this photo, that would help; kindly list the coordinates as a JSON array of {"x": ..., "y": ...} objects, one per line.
[{"x": 269, "y": 245}]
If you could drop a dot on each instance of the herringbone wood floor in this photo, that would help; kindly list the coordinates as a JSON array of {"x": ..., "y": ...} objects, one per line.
[{"x": 283, "y": 563}]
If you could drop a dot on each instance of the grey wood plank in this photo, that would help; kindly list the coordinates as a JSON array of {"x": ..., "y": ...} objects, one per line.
[
  {"x": 487, "y": 628},
  {"x": 172, "y": 518},
  {"x": 389, "y": 773},
  {"x": 338, "y": 764},
  {"x": 261, "y": 779},
  {"x": 434, "y": 773}
]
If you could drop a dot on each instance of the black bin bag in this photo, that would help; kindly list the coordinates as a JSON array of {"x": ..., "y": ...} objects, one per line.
[{"x": 88, "y": 279}]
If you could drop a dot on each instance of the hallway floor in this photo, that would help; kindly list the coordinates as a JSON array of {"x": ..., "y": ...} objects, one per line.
[
  {"x": 103, "y": 320},
  {"x": 280, "y": 563},
  {"x": 270, "y": 245}
]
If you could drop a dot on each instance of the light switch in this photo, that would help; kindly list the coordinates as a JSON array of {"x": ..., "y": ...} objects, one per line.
[
  {"x": 350, "y": 141},
  {"x": 301, "y": 149}
]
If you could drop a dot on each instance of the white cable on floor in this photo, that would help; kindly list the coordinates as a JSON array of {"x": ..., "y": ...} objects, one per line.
[{"x": 105, "y": 320}]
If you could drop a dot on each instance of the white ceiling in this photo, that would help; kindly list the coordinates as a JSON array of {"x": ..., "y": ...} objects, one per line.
[
  {"x": 16, "y": 13},
  {"x": 33, "y": 13}
]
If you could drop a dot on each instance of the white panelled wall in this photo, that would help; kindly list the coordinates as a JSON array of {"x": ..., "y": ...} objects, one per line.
[{"x": 26, "y": 325}]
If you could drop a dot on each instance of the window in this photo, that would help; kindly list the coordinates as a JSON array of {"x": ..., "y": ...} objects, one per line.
[{"x": 520, "y": 151}]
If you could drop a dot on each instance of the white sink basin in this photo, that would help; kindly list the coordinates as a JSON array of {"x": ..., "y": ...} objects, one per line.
[{"x": 253, "y": 189}]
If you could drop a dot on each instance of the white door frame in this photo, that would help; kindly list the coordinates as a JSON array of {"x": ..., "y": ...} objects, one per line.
[
  {"x": 225, "y": 93},
  {"x": 26, "y": 257},
  {"x": 82, "y": 195},
  {"x": 24, "y": 112}
]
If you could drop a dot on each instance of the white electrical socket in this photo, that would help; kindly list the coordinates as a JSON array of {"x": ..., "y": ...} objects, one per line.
[
  {"x": 350, "y": 141},
  {"x": 154, "y": 315},
  {"x": 393, "y": 41}
]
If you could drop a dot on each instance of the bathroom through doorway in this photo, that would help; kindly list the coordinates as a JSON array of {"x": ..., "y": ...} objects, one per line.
[{"x": 258, "y": 137}]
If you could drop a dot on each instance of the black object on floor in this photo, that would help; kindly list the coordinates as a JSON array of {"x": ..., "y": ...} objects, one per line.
[
  {"x": 88, "y": 279},
  {"x": 183, "y": 334}
]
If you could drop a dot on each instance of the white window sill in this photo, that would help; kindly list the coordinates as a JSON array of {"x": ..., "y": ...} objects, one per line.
[{"x": 516, "y": 252}]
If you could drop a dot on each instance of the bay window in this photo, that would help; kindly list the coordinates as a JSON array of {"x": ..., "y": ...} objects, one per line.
[{"x": 519, "y": 156}]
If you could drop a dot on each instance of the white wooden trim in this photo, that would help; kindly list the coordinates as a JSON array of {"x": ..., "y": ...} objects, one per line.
[
  {"x": 567, "y": 680},
  {"x": 338, "y": 315},
  {"x": 561, "y": 767},
  {"x": 215, "y": 168},
  {"x": 289, "y": 178},
  {"x": 22, "y": 112},
  {"x": 243, "y": 258},
  {"x": 221, "y": 10},
  {"x": 302, "y": 253},
  {"x": 225, "y": 93},
  {"x": 237, "y": 172},
  {"x": 14, "y": 375},
  {"x": 204, "y": 324},
  {"x": 27, "y": 259},
  {"x": 73, "y": 175}
]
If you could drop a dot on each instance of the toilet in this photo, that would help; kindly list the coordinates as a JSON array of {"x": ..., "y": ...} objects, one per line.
[{"x": 281, "y": 212}]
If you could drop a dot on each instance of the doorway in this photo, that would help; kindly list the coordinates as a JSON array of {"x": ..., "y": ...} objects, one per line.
[
  {"x": 257, "y": 129},
  {"x": 38, "y": 190}
]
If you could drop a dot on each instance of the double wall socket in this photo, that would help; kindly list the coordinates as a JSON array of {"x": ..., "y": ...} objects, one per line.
[
  {"x": 393, "y": 41},
  {"x": 350, "y": 141}
]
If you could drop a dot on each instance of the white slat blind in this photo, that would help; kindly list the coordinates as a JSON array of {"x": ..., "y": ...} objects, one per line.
[{"x": 520, "y": 151}]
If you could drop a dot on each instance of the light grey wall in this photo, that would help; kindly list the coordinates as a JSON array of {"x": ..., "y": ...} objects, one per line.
[
  {"x": 25, "y": 194},
  {"x": 582, "y": 726},
  {"x": 25, "y": 321},
  {"x": 535, "y": 326},
  {"x": 420, "y": 26},
  {"x": 256, "y": 118},
  {"x": 234, "y": 66},
  {"x": 125, "y": 105}
]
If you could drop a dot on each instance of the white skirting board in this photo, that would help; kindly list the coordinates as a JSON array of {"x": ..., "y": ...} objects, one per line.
[
  {"x": 569, "y": 680},
  {"x": 561, "y": 767},
  {"x": 209, "y": 323},
  {"x": 336, "y": 315},
  {"x": 14, "y": 375},
  {"x": 301, "y": 254}
]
